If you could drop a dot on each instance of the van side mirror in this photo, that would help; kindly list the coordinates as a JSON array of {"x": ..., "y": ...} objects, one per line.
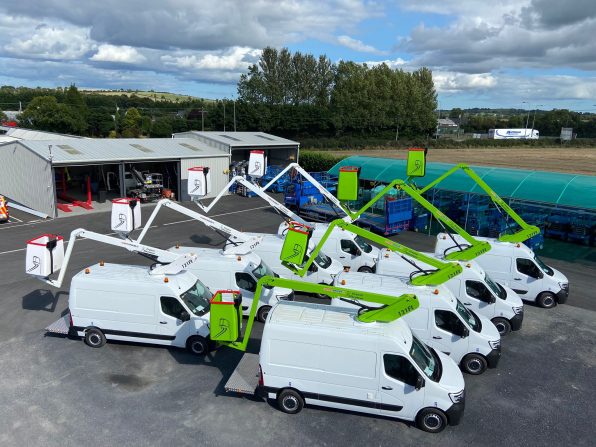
[
  {"x": 491, "y": 299},
  {"x": 539, "y": 274},
  {"x": 419, "y": 383},
  {"x": 184, "y": 316},
  {"x": 465, "y": 332}
]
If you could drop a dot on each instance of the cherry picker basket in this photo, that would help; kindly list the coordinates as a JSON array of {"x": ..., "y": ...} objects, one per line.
[
  {"x": 296, "y": 243},
  {"x": 416, "y": 166},
  {"x": 226, "y": 315},
  {"x": 347, "y": 186}
]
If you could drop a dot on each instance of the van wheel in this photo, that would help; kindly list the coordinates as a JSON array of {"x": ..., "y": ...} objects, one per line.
[
  {"x": 365, "y": 269},
  {"x": 290, "y": 401},
  {"x": 262, "y": 313},
  {"x": 94, "y": 338},
  {"x": 547, "y": 300},
  {"x": 474, "y": 364},
  {"x": 502, "y": 325},
  {"x": 197, "y": 345},
  {"x": 431, "y": 420}
]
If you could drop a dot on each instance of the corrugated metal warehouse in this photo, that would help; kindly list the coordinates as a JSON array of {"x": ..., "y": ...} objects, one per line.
[
  {"x": 44, "y": 175},
  {"x": 279, "y": 151}
]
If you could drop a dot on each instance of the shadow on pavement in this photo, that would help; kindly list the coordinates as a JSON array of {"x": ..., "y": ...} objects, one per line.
[{"x": 41, "y": 299}]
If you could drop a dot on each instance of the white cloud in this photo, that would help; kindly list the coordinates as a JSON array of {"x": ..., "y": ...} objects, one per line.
[
  {"x": 119, "y": 54},
  {"x": 52, "y": 43},
  {"x": 391, "y": 63},
  {"x": 357, "y": 45},
  {"x": 456, "y": 82},
  {"x": 234, "y": 59}
]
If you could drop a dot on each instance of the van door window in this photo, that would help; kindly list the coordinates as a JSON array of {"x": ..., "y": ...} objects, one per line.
[
  {"x": 349, "y": 247},
  {"x": 449, "y": 322},
  {"x": 171, "y": 306},
  {"x": 400, "y": 368},
  {"x": 527, "y": 267},
  {"x": 477, "y": 290},
  {"x": 246, "y": 281}
]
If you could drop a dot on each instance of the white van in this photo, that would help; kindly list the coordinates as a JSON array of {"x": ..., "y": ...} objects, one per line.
[
  {"x": 236, "y": 272},
  {"x": 517, "y": 266},
  {"x": 441, "y": 321},
  {"x": 322, "y": 355},
  {"x": 120, "y": 302},
  {"x": 473, "y": 287},
  {"x": 349, "y": 249},
  {"x": 323, "y": 270}
]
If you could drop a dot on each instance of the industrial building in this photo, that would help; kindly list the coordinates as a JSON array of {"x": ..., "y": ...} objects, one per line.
[
  {"x": 48, "y": 175},
  {"x": 279, "y": 151}
]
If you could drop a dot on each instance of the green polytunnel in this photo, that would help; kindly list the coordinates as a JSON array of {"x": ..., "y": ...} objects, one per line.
[{"x": 556, "y": 188}]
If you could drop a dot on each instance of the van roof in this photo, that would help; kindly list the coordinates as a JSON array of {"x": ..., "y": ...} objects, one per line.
[
  {"x": 127, "y": 275},
  {"x": 496, "y": 245},
  {"x": 215, "y": 255},
  {"x": 336, "y": 319},
  {"x": 388, "y": 256}
]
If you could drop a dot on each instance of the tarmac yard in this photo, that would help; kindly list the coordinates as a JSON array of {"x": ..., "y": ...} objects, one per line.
[{"x": 57, "y": 391}]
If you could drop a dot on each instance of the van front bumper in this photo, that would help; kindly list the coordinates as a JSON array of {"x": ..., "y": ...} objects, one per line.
[
  {"x": 516, "y": 321},
  {"x": 493, "y": 357},
  {"x": 455, "y": 413},
  {"x": 562, "y": 295}
]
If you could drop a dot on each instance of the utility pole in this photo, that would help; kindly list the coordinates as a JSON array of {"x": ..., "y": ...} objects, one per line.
[
  {"x": 397, "y": 128},
  {"x": 534, "y": 118},
  {"x": 234, "y": 115},
  {"x": 224, "y": 104},
  {"x": 202, "y": 120},
  {"x": 527, "y": 118}
]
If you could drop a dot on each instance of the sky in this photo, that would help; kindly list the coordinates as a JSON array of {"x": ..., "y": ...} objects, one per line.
[{"x": 521, "y": 53}]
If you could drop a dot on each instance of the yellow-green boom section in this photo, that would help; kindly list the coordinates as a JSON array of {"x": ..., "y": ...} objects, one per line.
[
  {"x": 443, "y": 273},
  {"x": 472, "y": 249},
  {"x": 526, "y": 232},
  {"x": 394, "y": 307}
]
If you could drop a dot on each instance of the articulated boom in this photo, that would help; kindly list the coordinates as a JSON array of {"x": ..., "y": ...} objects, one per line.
[
  {"x": 527, "y": 231},
  {"x": 443, "y": 273},
  {"x": 392, "y": 309}
]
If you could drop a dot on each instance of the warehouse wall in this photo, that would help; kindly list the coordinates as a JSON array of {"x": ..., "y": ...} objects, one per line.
[
  {"x": 219, "y": 178},
  {"x": 27, "y": 178}
]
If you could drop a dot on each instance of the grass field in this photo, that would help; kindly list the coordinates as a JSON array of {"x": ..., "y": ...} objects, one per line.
[
  {"x": 156, "y": 96},
  {"x": 572, "y": 160}
]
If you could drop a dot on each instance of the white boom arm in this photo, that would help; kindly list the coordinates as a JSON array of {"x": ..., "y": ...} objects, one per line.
[
  {"x": 176, "y": 262},
  {"x": 258, "y": 191},
  {"x": 241, "y": 243},
  {"x": 312, "y": 180}
]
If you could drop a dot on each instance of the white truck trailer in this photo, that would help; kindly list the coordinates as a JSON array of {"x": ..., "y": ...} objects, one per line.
[{"x": 513, "y": 134}]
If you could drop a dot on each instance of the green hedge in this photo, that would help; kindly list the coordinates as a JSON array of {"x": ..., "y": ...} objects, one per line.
[{"x": 318, "y": 161}]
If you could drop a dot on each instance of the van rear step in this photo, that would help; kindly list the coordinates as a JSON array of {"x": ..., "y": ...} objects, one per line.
[
  {"x": 60, "y": 326},
  {"x": 245, "y": 378}
]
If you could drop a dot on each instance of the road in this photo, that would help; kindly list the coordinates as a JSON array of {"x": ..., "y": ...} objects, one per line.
[{"x": 59, "y": 392}]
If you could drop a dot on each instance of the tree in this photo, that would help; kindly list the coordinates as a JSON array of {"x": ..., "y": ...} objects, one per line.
[
  {"x": 131, "y": 124},
  {"x": 45, "y": 113},
  {"x": 161, "y": 128}
]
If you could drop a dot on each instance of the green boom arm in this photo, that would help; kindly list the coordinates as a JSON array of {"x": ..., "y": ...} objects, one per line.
[
  {"x": 471, "y": 250},
  {"x": 444, "y": 270},
  {"x": 526, "y": 232},
  {"x": 394, "y": 307}
]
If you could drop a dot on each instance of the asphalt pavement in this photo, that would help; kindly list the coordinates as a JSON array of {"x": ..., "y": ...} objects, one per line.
[{"x": 57, "y": 391}]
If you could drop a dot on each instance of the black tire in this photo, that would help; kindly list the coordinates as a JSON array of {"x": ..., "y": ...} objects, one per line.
[
  {"x": 547, "y": 300},
  {"x": 197, "y": 345},
  {"x": 262, "y": 313},
  {"x": 431, "y": 420},
  {"x": 503, "y": 325},
  {"x": 94, "y": 338},
  {"x": 474, "y": 364},
  {"x": 290, "y": 401},
  {"x": 365, "y": 269}
]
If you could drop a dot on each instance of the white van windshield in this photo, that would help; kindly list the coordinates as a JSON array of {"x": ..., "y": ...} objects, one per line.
[
  {"x": 263, "y": 270},
  {"x": 468, "y": 317},
  {"x": 545, "y": 268},
  {"x": 322, "y": 260},
  {"x": 364, "y": 246},
  {"x": 425, "y": 360},
  {"x": 496, "y": 288},
  {"x": 197, "y": 299}
]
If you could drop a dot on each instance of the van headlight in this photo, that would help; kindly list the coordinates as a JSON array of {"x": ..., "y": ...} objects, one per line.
[
  {"x": 495, "y": 344},
  {"x": 518, "y": 310},
  {"x": 457, "y": 397}
]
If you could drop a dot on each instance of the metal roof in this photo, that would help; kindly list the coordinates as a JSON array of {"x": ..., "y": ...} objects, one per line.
[
  {"x": 28, "y": 134},
  {"x": 5, "y": 139},
  {"x": 578, "y": 191},
  {"x": 238, "y": 139},
  {"x": 105, "y": 150}
]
